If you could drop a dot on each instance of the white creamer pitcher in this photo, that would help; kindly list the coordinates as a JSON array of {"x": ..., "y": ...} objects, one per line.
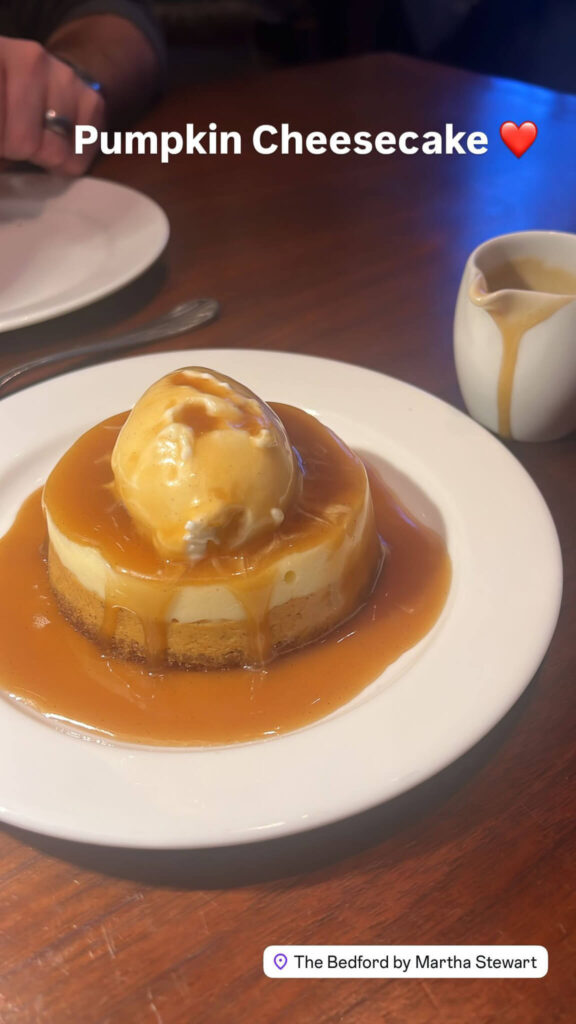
[{"x": 515, "y": 335}]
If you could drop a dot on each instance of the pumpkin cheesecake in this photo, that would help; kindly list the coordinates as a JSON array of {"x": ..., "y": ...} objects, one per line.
[{"x": 207, "y": 529}]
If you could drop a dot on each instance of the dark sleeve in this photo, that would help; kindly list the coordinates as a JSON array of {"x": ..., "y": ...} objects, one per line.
[{"x": 38, "y": 19}]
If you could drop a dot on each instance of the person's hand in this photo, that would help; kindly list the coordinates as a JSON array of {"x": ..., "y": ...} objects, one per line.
[{"x": 32, "y": 82}]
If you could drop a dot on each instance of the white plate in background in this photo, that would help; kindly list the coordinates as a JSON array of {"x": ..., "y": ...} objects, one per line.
[
  {"x": 424, "y": 711},
  {"x": 65, "y": 243}
]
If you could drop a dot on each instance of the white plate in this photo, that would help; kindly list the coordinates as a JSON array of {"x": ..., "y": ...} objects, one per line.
[
  {"x": 423, "y": 712},
  {"x": 65, "y": 243}
]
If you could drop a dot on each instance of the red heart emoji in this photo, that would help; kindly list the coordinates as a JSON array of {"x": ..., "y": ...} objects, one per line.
[{"x": 518, "y": 138}]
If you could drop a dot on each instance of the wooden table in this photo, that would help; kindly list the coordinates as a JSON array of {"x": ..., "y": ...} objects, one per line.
[{"x": 357, "y": 258}]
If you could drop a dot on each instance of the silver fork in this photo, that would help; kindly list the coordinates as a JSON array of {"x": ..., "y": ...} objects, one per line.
[{"x": 186, "y": 316}]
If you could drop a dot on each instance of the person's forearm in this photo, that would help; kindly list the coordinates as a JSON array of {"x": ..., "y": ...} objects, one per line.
[{"x": 115, "y": 53}]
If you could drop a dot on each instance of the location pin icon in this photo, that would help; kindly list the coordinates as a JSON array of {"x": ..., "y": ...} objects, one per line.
[{"x": 280, "y": 960}]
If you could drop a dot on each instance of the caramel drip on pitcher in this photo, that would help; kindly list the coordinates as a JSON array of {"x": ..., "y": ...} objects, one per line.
[
  {"x": 519, "y": 295},
  {"x": 513, "y": 326}
]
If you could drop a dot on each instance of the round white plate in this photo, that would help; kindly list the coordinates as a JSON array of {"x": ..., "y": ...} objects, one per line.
[
  {"x": 423, "y": 712},
  {"x": 65, "y": 243}
]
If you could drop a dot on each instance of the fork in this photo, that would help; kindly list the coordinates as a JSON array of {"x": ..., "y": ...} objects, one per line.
[{"x": 186, "y": 316}]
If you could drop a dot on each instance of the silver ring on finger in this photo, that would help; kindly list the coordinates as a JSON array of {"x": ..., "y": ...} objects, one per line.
[{"x": 57, "y": 123}]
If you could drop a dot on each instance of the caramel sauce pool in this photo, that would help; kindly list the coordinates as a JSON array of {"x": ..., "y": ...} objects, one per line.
[{"x": 49, "y": 666}]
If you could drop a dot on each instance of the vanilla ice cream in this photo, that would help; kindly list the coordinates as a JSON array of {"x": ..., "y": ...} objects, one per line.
[{"x": 202, "y": 460}]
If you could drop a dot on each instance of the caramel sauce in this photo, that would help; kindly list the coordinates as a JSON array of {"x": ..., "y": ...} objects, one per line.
[
  {"x": 246, "y": 414},
  {"x": 543, "y": 290},
  {"x": 81, "y": 498},
  {"x": 200, "y": 379},
  {"x": 82, "y": 502},
  {"x": 50, "y": 667},
  {"x": 202, "y": 421},
  {"x": 532, "y": 275}
]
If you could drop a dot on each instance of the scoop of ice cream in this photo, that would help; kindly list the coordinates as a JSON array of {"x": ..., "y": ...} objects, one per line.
[{"x": 200, "y": 460}]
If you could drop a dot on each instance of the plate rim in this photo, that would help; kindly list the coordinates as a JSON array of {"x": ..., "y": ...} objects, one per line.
[{"x": 354, "y": 803}]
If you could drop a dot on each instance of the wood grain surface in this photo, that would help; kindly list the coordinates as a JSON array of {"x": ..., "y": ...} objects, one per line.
[{"x": 357, "y": 258}]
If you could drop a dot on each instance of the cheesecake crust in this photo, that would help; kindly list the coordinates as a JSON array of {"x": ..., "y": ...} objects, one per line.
[{"x": 194, "y": 645}]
